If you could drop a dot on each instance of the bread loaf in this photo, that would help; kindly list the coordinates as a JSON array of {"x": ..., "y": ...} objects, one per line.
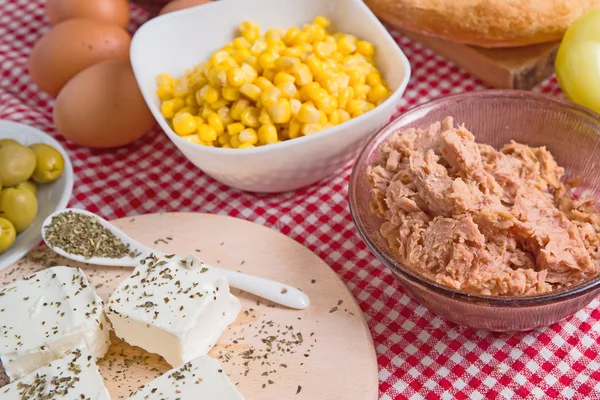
[{"x": 486, "y": 23}]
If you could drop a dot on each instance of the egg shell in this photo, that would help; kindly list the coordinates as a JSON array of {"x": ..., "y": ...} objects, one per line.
[
  {"x": 181, "y": 4},
  {"x": 103, "y": 107},
  {"x": 72, "y": 46},
  {"x": 115, "y": 12}
]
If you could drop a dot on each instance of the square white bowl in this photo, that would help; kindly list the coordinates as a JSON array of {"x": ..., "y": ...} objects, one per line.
[{"x": 179, "y": 40}]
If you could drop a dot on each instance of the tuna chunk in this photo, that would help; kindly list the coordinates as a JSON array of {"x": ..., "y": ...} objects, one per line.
[{"x": 483, "y": 221}]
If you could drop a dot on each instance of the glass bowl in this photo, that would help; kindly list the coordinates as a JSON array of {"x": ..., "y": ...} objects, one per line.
[{"x": 570, "y": 132}]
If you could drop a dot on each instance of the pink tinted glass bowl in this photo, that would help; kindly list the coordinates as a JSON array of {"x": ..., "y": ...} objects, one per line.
[{"x": 570, "y": 132}]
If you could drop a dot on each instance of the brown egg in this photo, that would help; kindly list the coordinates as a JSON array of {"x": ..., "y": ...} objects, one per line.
[
  {"x": 72, "y": 46},
  {"x": 115, "y": 12},
  {"x": 103, "y": 107},
  {"x": 180, "y": 5}
]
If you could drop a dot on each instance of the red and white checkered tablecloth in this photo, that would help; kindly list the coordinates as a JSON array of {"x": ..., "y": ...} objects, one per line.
[{"x": 420, "y": 355}]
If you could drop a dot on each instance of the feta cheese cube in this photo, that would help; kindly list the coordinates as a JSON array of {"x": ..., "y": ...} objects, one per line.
[
  {"x": 202, "y": 378},
  {"x": 73, "y": 377},
  {"x": 45, "y": 315},
  {"x": 174, "y": 307}
]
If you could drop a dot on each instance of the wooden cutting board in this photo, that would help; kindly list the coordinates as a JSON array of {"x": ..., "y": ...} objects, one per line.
[
  {"x": 506, "y": 68},
  {"x": 325, "y": 352}
]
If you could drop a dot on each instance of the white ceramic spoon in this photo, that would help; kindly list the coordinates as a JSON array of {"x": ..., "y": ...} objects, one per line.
[{"x": 274, "y": 291}]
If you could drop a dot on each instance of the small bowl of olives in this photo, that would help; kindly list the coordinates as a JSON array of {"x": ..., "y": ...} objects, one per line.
[{"x": 36, "y": 179}]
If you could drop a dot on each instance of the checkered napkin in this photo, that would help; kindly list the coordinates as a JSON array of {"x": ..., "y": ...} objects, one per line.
[{"x": 420, "y": 355}]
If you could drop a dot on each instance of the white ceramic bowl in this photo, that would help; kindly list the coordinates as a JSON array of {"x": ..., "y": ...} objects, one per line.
[
  {"x": 179, "y": 40},
  {"x": 51, "y": 196}
]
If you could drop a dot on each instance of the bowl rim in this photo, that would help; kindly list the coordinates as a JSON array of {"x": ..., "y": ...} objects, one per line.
[
  {"x": 414, "y": 278},
  {"x": 65, "y": 196},
  {"x": 393, "y": 98}
]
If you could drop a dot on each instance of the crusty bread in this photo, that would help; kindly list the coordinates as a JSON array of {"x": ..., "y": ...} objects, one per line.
[{"x": 487, "y": 23}]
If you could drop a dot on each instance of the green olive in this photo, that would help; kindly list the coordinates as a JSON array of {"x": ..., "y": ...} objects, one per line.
[
  {"x": 27, "y": 185},
  {"x": 19, "y": 206},
  {"x": 7, "y": 234},
  {"x": 49, "y": 163},
  {"x": 16, "y": 164},
  {"x": 7, "y": 142}
]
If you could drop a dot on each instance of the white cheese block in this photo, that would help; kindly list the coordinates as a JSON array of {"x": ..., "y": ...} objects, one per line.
[
  {"x": 73, "y": 377},
  {"x": 202, "y": 378},
  {"x": 47, "y": 314},
  {"x": 174, "y": 307}
]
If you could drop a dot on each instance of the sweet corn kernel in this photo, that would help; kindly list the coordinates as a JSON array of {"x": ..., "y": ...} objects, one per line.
[
  {"x": 207, "y": 133},
  {"x": 249, "y": 117},
  {"x": 285, "y": 63},
  {"x": 230, "y": 93},
  {"x": 315, "y": 64},
  {"x": 249, "y": 26},
  {"x": 263, "y": 83},
  {"x": 218, "y": 104},
  {"x": 164, "y": 93},
  {"x": 267, "y": 134},
  {"x": 216, "y": 123},
  {"x": 248, "y": 136},
  {"x": 250, "y": 72},
  {"x": 186, "y": 110},
  {"x": 282, "y": 77},
  {"x": 280, "y": 112},
  {"x": 212, "y": 94},
  {"x": 180, "y": 88},
  {"x": 269, "y": 74},
  {"x": 288, "y": 89},
  {"x": 258, "y": 47},
  {"x": 302, "y": 74},
  {"x": 295, "y": 51},
  {"x": 246, "y": 146},
  {"x": 295, "y": 105},
  {"x": 251, "y": 91},
  {"x": 170, "y": 107},
  {"x": 295, "y": 129},
  {"x": 219, "y": 57},
  {"x": 241, "y": 43},
  {"x": 322, "y": 22},
  {"x": 184, "y": 124},
  {"x": 193, "y": 139},
  {"x": 225, "y": 114},
  {"x": 270, "y": 96},
  {"x": 164, "y": 79},
  {"x": 358, "y": 107},
  {"x": 356, "y": 77},
  {"x": 361, "y": 92},
  {"x": 378, "y": 93},
  {"x": 365, "y": 48},
  {"x": 190, "y": 101},
  {"x": 241, "y": 55},
  {"x": 344, "y": 115},
  {"x": 290, "y": 35},
  {"x": 322, "y": 117},
  {"x": 199, "y": 120},
  {"x": 344, "y": 97},
  {"x": 237, "y": 107},
  {"x": 236, "y": 77},
  {"x": 226, "y": 146},
  {"x": 328, "y": 104},
  {"x": 267, "y": 59},
  {"x": 334, "y": 118},
  {"x": 308, "y": 129},
  {"x": 223, "y": 140},
  {"x": 235, "y": 128},
  {"x": 205, "y": 111},
  {"x": 346, "y": 44},
  {"x": 264, "y": 118},
  {"x": 274, "y": 33},
  {"x": 302, "y": 37},
  {"x": 308, "y": 114},
  {"x": 317, "y": 94},
  {"x": 373, "y": 79},
  {"x": 234, "y": 141}
]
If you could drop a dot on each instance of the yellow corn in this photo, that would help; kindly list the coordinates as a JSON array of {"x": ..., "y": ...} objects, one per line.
[
  {"x": 199, "y": 120},
  {"x": 346, "y": 44},
  {"x": 193, "y": 139},
  {"x": 282, "y": 77},
  {"x": 212, "y": 94},
  {"x": 249, "y": 117},
  {"x": 241, "y": 55},
  {"x": 241, "y": 43},
  {"x": 270, "y": 96},
  {"x": 314, "y": 64},
  {"x": 223, "y": 140},
  {"x": 295, "y": 105},
  {"x": 284, "y": 63},
  {"x": 280, "y": 112},
  {"x": 236, "y": 77},
  {"x": 230, "y": 93},
  {"x": 235, "y": 128},
  {"x": 205, "y": 111},
  {"x": 328, "y": 104},
  {"x": 234, "y": 141},
  {"x": 365, "y": 48},
  {"x": 190, "y": 101},
  {"x": 378, "y": 93},
  {"x": 170, "y": 107},
  {"x": 180, "y": 88},
  {"x": 288, "y": 89},
  {"x": 308, "y": 114},
  {"x": 251, "y": 91},
  {"x": 263, "y": 83},
  {"x": 164, "y": 79},
  {"x": 308, "y": 129},
  {"x": 269, "y": 74},
  {"x": 225, "y": 114},
  {"x": 186, "y": 110},
  {"x": 361, "y": 92},
  {"x": 248, "y": 136},
  {"x": 216, "y": 123},
  {"x": 373, "y": 79},
  {"x": 184, "y": 124},
  {"x": 267, "y": 134},
  {"x": 295, "y": 129},
  {"x": 250, "y": 72},
  {"x": 258, "y": 47},
  {"x": 207, "y": 133},
  {"x": 164, "y": 93},
  {"x": 302, "y": 74},
  {"x": 334, "y": 118},
  {"x": 295, "y": 51},
  {"x": 356, "y": 77},
  {"x": 322, "y": 22},
  {"x": 267, "y": 60},
  {"x": 218, "y": 104},
  {"x": 264, "y": 118},
  {"x": 237, "y": 107},
  {"x": 246, "y": 146},
  {"x": 344, "y": 97},
  {"x": 344, "y": 116},
  {"x": 290, "y": 35}
]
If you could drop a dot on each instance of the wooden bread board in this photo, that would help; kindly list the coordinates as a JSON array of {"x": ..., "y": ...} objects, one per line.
[
  {"x": 505, "y": 68},
  {"x": 333, "y": 358}
]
